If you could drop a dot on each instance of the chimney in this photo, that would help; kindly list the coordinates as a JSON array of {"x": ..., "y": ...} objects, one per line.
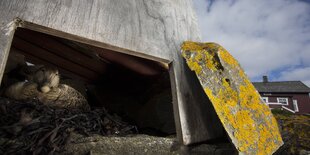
[{"x": 265, "y": 79}]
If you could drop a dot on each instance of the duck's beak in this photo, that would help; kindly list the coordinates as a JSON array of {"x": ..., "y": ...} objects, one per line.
[{"x": 44, "y": 88}]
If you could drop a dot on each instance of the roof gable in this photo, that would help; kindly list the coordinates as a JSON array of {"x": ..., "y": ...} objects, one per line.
[{"x": 282, "y": 87}]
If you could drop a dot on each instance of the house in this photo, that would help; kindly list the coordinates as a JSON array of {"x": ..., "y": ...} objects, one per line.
[{"x": 292, "y": 96}]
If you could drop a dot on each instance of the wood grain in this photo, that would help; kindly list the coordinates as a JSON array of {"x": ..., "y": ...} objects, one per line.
[
  {"x": 21, "y": 44},
  {"x": 58, "y": 48}
]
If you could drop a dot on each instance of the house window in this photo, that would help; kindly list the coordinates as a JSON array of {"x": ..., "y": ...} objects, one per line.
[
  {"x": 265, "y": 99},
  {"x": 282, "y": 100},
  {"x": 295, "y": 106}
]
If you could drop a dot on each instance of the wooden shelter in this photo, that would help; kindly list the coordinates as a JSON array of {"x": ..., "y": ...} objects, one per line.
[{"x": 145, "y": 36}]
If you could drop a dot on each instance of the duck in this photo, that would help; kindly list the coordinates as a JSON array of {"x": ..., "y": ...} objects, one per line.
[{"x": 43, "y": 83}]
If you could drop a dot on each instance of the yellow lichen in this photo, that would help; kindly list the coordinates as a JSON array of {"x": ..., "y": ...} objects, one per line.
[
  {"x": 247, "y": 130},
  {"x": 191, "y": 46},
  {"x": 227, "y": 57},
  {"x": 246, "y": 118},
  {"x": 194, "y": 66},
  {"x": 211, "y": 64}
]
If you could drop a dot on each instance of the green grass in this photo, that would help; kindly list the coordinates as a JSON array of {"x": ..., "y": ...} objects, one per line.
[{"x": 281, "y": 112}]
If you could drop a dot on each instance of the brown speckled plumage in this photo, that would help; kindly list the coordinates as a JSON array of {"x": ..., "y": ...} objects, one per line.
[
  {"x": 64, "y": 96},
  {"x": 44, "y": 85},
  {"x": 22, "y": 90}
]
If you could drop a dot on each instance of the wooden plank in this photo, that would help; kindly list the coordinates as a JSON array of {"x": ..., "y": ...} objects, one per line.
[
  {"x": 139, "y": 65},
  {"x": 45, "y": 55},
  {"x": 96, "y": 43},
  {"x": 6, "y": 37},
  {"x": 51, "y": 44},
  {"x": 81, "y": 47},
  {"x": 34, "y": 60}
]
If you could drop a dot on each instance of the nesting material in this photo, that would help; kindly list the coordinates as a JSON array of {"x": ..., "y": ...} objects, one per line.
[{"x": 31, "y": 127}]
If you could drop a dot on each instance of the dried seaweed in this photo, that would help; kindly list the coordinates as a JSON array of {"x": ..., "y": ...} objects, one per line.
[{"x": 31, "y": 127}]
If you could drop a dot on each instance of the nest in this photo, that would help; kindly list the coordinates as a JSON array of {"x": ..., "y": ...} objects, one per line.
[{"x": 31, "y": 127}]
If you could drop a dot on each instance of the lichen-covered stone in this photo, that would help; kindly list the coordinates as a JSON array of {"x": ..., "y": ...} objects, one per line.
[{"x": 247, "y": 120}]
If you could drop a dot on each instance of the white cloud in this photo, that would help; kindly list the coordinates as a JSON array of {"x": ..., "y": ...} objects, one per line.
[
  {"x": 263, "y": 35},
  {"x": 296, "y": 74}
]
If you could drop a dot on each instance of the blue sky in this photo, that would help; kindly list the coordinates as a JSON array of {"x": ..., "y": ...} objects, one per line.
[{"x": 267, "y": 37}]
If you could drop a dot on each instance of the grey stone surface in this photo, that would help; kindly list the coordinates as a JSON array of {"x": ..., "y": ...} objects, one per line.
[
  {"x": 136, "y": 144},
  {"x": 141, "y": 144}
]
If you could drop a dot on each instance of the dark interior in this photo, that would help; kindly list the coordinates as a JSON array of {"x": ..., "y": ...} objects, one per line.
[{"x": 136, "y": 89}]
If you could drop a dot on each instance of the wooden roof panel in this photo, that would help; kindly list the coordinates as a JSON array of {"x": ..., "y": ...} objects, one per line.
[{"x": 77, "y": 59}]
